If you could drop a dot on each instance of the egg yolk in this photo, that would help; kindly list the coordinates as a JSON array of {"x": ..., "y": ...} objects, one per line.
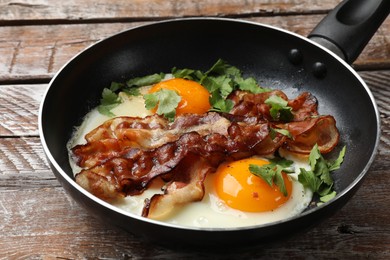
[
  {"x": 242, "y": 190},
  {"x": 194, "y": 97}
]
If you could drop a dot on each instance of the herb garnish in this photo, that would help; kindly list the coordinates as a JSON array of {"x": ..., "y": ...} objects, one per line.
[
  {"x": 111, "y": 99},
  {"x": 166, "y": 101},
  {"x": 318, "y": 178},
  {"x": 145, "y": 81},
  {"x": 272, "y": 173},
  {"x": 274, "y": 131},
  {"x": 279, "y": 111},
  {"x": 108, "y": 101},
  {"x": 220, "y": 80}
]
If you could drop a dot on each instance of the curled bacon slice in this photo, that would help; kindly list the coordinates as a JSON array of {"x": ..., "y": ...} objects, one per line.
[
  {"x": 304, "y": 106},
  {"x": 320, "y": 130},
  {"x": 186, "y": 186}
]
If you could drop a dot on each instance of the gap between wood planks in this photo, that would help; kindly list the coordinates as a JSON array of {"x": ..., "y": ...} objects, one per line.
[{"x": 261, "y": 13}]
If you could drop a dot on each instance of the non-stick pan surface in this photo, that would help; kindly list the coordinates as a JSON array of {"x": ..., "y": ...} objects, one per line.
[{"x": 266, "y": 53}]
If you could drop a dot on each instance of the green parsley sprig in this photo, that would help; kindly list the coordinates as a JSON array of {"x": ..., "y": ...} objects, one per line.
[
  {"x": 108, "y": 101},
  {"x": 318, "y": 179},
  {"x": 110, "y": 98},
  {"x": 166, "y": 101},
  {"x": 280, "y": 111},
  {"x": 272, "y": 173}
]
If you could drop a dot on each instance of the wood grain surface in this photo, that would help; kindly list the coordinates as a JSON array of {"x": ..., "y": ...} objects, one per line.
[
  {"x": 73, "y": 11},
  {"x": 38, "y": 52},
  {"x": 38, "y": 220}
]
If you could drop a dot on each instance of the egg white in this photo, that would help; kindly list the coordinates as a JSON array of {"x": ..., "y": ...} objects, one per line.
[{"x": 211, "y": 212}]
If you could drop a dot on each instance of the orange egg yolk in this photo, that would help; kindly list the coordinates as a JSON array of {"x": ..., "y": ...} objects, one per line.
[
  {"x": 242, "y": 190},
  {"x": 194, "y": 97}
]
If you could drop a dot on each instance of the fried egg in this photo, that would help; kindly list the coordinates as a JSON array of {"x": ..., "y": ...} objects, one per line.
[
  {"x": 234, "y": 197},
  {"x": 194, "y": 97}
]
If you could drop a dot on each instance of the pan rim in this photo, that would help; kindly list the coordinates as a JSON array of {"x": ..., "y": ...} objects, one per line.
[{"x": 70, "y": 181}]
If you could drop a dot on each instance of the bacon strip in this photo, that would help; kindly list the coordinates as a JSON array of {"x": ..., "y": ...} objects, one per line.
[
  {"x": 304, "y": 106},
  {"x": 110, "y": 139},
  {"x": 320, "y": 130},
  {"x": 131, "y": 172},
  {"x": 186, "y": 186}
]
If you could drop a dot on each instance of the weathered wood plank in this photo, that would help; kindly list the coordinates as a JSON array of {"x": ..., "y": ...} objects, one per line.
[
  {"x": 45, "y": 223},
  {"x": 379, "y": 83},
  {"x": 32, "y": 11},
  {"x": 21, "y": 155},
  {"x": 19, "y": 105},
  {"x": 37, "y": 52}
]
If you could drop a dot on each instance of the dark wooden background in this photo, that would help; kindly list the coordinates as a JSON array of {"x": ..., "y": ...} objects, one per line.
[{"x": 39, "y": 221}]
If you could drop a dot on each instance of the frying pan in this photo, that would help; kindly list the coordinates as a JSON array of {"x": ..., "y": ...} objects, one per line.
[{"x": 275, "y": 57}]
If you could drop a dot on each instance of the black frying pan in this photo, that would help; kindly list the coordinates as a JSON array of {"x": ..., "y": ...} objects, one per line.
[{"x": 276, "y": 58}]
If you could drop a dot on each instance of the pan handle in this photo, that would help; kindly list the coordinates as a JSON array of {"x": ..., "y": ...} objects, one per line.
[{"x": 347, "y": 29}]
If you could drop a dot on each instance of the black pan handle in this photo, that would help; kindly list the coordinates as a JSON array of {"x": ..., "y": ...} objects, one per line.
[{"x": 347, "y": 29}]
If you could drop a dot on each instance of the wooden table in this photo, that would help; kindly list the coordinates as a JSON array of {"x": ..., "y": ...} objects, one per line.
[{"x": 38, "y": 220}]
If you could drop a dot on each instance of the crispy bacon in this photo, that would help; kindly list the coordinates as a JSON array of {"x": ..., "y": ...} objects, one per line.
[
  {"x": 320, "y": 130},
  {"x": 133, "y": 168},
  {"x": 114, "y": 136},
  {"x": 186, "y": 186},
  {"x": 304, "y": 106},
  {"x": 123, "y": 155},
  {"x": 249, "y": 104}
]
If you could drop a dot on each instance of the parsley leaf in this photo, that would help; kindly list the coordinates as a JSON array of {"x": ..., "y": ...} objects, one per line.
[
  {"x": 145, "y": 80},
  {"x": 167, "y": 101},
  {"x": 308, "y": 179},
  {"x": 272, "y": 173},
  {"x": 219, "y": 104},
  {"x": 250, "y": 85},
  {"x": 220, "y": 67},
  {"x": 285, "y": 132},
  {"x": 108, "y": 101},
  {"x": 220, "y": 85},
  {"x": 319, "y": 179},
  {"x": 132, "y": 91},
  {"x": 115, "y": 86},
  {"x": 336, "y": 164},
  {"x": 225, "y": 85},
  {"x": 327, "y": 198},
  {"x": 184, "y": 73},
  {"x": 279, "y": 109}
]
